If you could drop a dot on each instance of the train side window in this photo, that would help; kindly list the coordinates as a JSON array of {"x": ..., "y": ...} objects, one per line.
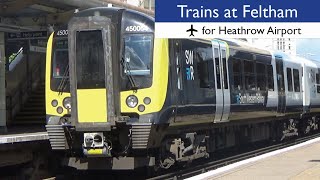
[
  {"x": 296, "y": 80},
  {"x": 249, "y": 76},
  {"x": 270, "y": 78},
  {"x": 203, "y": 59},
  {"x": 289, "y": 79},
  {"x": 236, "y": 66},
  {"x": 225, "y": 75},
  {"x": 261, "y": 77},
  {"x": 318, "y": 82},
  {"x": 217, "y": 63}
]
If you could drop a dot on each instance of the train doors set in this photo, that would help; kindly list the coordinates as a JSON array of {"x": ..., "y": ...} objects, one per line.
[
  {"x": 200, "y": 80},
  {"x": 221, "y": 74},
  {"x": 311, "y": 87},
  {"x": 289, "y": 80}
]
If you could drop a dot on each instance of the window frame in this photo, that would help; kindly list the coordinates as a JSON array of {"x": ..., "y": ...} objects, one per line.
[
  {"x": 296, "y": 81},
  {"x": 289, "y": 83}
]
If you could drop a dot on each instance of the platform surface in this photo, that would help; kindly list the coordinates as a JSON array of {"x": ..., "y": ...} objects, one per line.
[
  {"x": 298, "y": 163},
  {"x": 23, "y": 134}
]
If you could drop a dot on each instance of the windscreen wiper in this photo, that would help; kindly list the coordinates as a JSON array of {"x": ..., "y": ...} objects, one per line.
[
  {"x": 63, "y": 81},
  {"x": 127, "y": 68}
]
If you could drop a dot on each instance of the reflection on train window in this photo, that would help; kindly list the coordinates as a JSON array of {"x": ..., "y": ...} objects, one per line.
[
  {"x": 296, "y": 80},
  {"x": 289, "y": 79},
  {"x": 203, "y": 57},
  {"x": 270, "y": 78},
  {"x": 236, "y": 66},
  {"x": 249, "y": 76},
  {"x": 261, "y": 77},
  {"x": 216, "y": 59},
  {"x": 60, "y": 63},
  {"x": 225, "y": 75},
  {"x": 248, "y": 67},
  {"x": 90, "y": 67},
  {"x": 137, "y": 54}
]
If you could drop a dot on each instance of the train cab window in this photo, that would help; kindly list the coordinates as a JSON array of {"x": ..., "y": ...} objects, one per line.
[
  {"x": 289, "y": 79},
  {"x": 236, "y": 66},
  {"x": 270, "y": 78},
  {"x": 249, "y": 76},
  {"x": 137, "y": 54},
  {"x": 296, "y": 80},
  {"x": 217, "y": 63},
  {"x": 261, "y": 77},
  {"x": 60, "y": 63},
  {"x": 137, "y": 60},
  {"x": 90, "y": 60}
]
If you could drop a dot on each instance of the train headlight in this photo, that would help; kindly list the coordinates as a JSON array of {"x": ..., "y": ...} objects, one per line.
[
  {"x": 54, "y": 103},
  {"x": 59, "y": 110},
  {"x": 141, "y": 108},
  {"x": 132, "y": 101},
  {"x": 67, "y": 103},
  {"x": 146, "y": 100}
]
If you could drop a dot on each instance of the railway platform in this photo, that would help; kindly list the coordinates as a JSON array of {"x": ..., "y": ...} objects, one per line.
[
  {"x": 301, "y": 161},
  {"x": 23, "y": 134},
  {"x": 22, "y": 144}
]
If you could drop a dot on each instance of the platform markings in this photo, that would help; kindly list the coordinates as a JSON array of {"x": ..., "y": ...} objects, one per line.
[{"x": 218, "y": 171}]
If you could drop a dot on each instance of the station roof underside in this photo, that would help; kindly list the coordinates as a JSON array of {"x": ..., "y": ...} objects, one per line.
[{"x": 29, "y": 15}]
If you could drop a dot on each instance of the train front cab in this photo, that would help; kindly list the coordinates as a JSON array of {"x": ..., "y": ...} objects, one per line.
[
  {"x": 117, "y": 82},
  {"x": 58, "y": 102}
]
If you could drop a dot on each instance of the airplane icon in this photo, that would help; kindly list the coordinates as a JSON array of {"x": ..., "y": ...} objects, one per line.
[{"x": 191, "y": 30}]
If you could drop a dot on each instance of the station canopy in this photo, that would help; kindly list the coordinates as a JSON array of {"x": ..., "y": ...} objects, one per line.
[{"x": 33, "y": 15}]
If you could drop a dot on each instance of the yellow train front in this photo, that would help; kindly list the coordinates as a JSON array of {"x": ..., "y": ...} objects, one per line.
[{"x": 118, "y": 84}]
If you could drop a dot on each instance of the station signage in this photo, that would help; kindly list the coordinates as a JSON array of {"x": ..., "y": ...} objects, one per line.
[{"x": 27, "y": 35}]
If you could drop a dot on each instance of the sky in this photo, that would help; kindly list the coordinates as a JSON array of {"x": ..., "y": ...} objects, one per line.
[{"x": 309, "y": 48}]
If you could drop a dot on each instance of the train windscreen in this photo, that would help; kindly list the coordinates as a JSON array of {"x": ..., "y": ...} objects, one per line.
[
  {"x": 60, "y": 65},
  {"x": 137, "y": 57},
  {"x": 90, "y": 66}
]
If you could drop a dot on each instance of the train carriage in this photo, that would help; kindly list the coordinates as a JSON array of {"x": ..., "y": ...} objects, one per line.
[{"x": 137, "y": 100}]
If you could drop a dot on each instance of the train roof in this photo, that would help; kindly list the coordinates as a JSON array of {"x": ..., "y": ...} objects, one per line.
[{"x": 245, "y": 46}]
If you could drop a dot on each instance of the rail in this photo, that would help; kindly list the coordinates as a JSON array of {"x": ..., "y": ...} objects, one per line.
[{"x": 16, "y": 100}]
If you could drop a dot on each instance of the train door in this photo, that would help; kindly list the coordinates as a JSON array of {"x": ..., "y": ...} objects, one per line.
[
  {"x": 221, "y": 81},
  {"x": 280, "y": 83}
]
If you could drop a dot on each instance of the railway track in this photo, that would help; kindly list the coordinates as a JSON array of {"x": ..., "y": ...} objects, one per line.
[
  {"x": 195, "y": 168},
  {"x": 211, "y": 164}
]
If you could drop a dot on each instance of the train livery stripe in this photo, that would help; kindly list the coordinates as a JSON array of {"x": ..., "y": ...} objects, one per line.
[
  {"x": 92, "y": 108},
  {"x": 158, "y": 91},
  {"x": 48, "y": 73}
]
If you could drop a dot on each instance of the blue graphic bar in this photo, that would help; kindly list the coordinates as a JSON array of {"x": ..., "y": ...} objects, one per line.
[{"x": 237, "y": 11}]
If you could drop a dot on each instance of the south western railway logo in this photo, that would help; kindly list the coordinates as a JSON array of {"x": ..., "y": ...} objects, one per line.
[{"x": 189, "y": 63}]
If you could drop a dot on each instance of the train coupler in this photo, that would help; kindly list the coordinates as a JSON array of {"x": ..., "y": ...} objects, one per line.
[{"x": 96, "y": 145}]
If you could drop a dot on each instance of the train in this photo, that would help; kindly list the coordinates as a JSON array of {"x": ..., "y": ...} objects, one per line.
[{"x": 123, "y": 99}]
